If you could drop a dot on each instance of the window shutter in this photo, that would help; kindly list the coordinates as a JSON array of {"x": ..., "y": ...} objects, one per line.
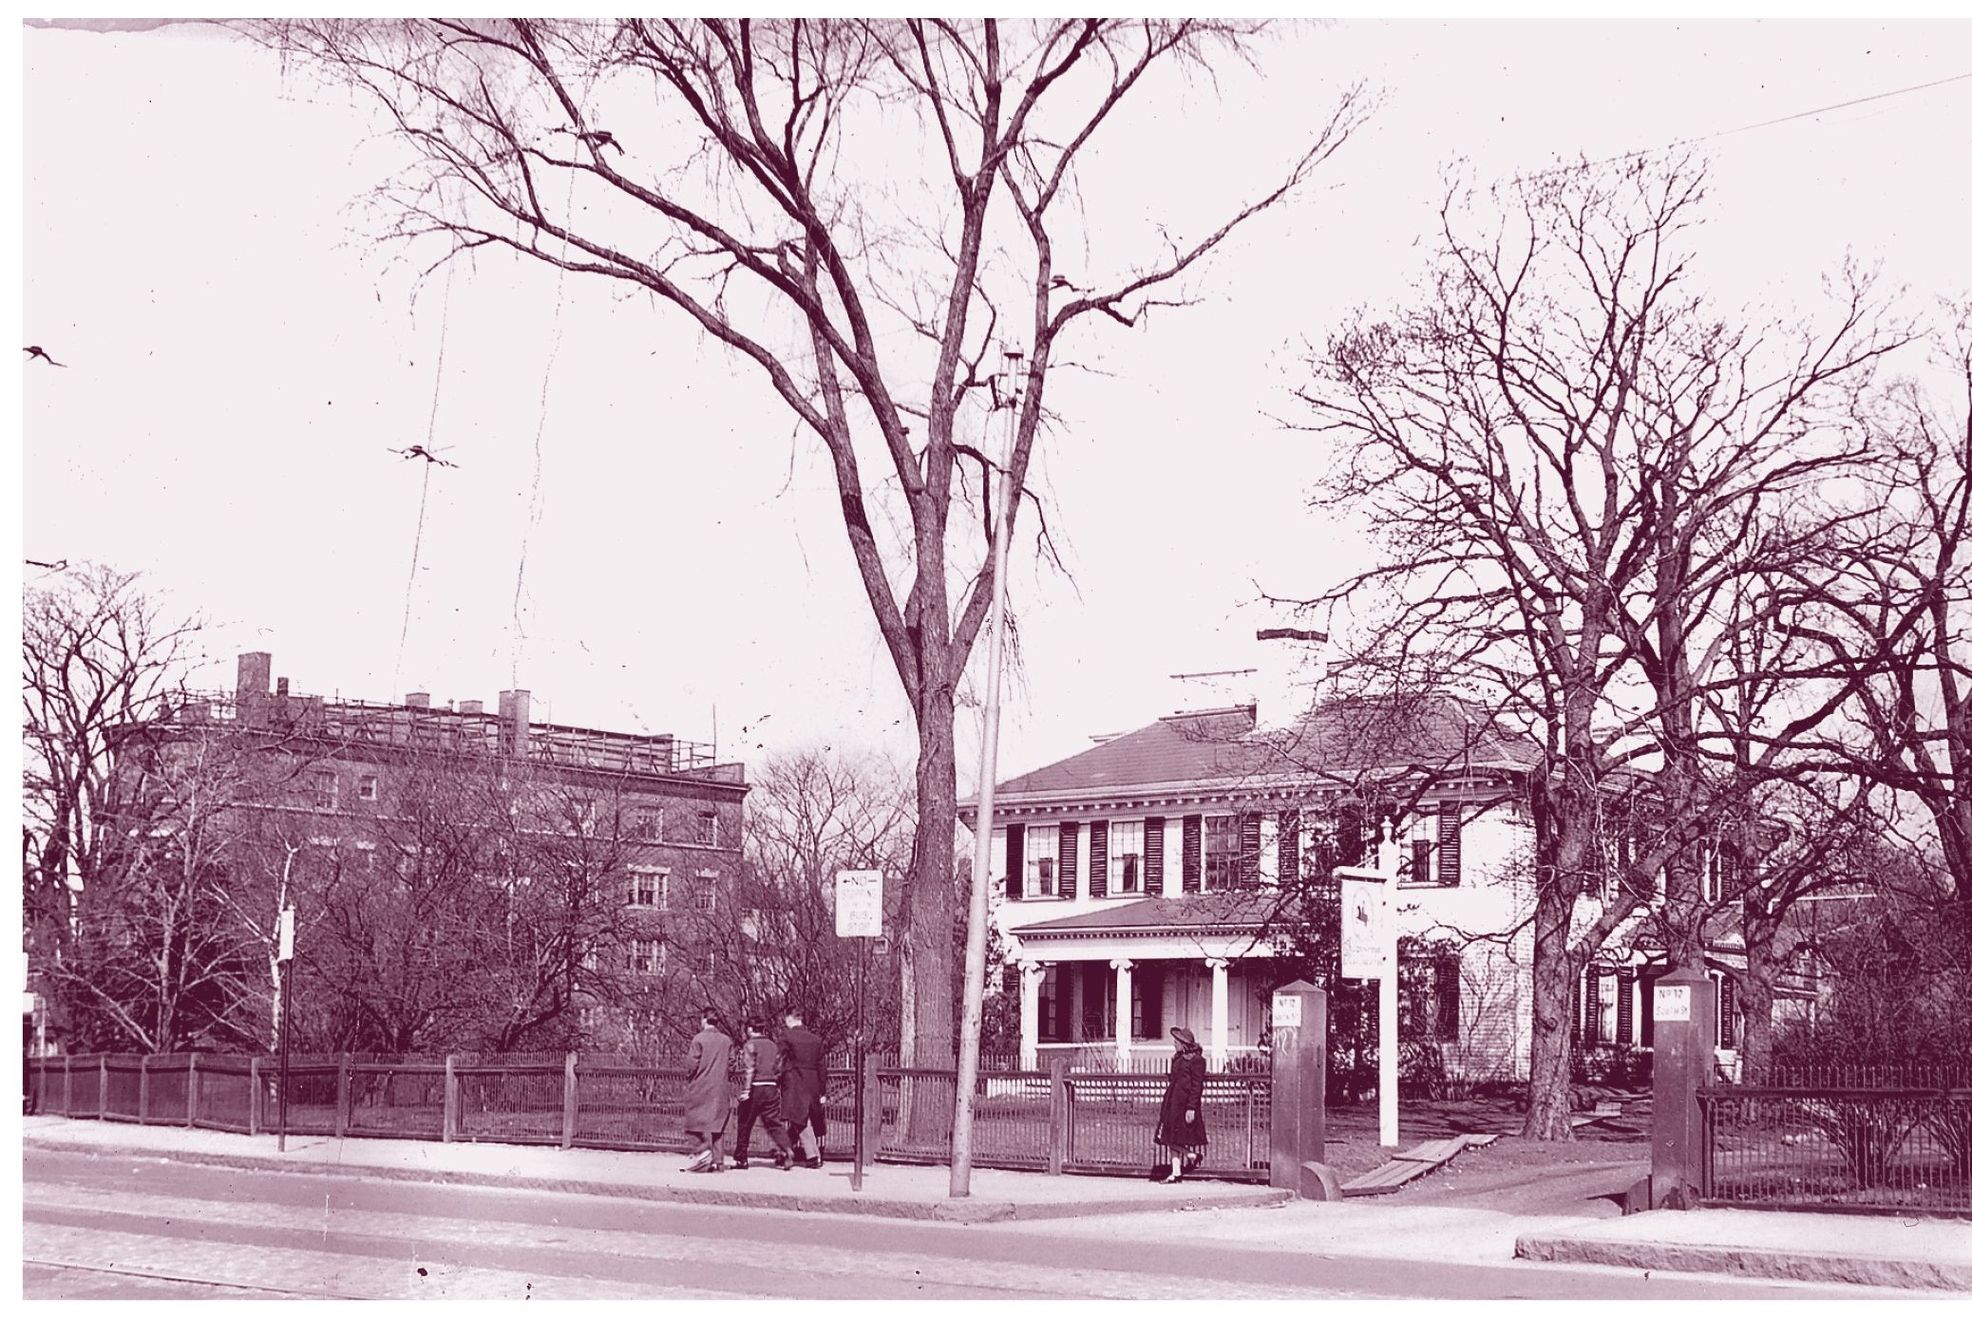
[
  {"x": 1194, "y": 826},
  {"x": 1575, "y": 1010},
  {"x": 1625, "y": 1006},
  {"x": 1349, "y": 833},
  {"x": 1065, "y": 885},
  {"x": 1290, "y": 847},
  {"x": 1450, "y": 822},
  {"x": 1592, "y": 1021},
  {"x": 1153, "y": 857},
  {"x": 1016, "y": 862},
  {"x": 1444, "y": 985},
  {"x": 1726, "y": 1006},
  {"x": 1247, "y": 872},
  {"x": 1099, "y": 858}
]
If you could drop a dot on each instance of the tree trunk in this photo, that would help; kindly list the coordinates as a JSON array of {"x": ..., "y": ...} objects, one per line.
[
  {"x": 1756, "y": 1007},
  {"x": 1550, "y": 1052},
  {"x": 930, "y": 931}
]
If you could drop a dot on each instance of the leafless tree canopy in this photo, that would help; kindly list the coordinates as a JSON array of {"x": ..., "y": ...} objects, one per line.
[{"x": 860, "y": 209}]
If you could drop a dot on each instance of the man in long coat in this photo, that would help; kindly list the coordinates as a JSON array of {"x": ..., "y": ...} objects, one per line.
[
  {"x": 804, "y": 1081},
  {"x": 707, "y": 1095}
]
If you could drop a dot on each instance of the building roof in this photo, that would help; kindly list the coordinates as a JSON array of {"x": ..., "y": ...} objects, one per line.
[
  {"x": 1242, "y": 910},
  {"x": 1336, "y": 741}
]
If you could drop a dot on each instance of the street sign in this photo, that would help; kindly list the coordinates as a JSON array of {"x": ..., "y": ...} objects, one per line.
[
  {"x": 859, "y": 903},
  {"x": 287, "y": 934},
  {"x": 1672, "y": 1002},
  {"x": 1287, "y": 1011},
  {"x": 1366, "y": 941}
]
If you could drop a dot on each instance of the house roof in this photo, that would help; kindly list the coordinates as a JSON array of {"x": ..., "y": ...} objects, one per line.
[
  {"x": 1336, "y": 740},
  {"x": 1238, "y": 910}
]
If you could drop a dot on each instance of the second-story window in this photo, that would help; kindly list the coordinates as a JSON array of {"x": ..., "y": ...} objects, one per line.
[
  {"x": 646, "y": 825},
  {"x": 1221, "y": 852},
  {"x": 707, "y": 832},
  {"x": 647, "y": 888},
  {"x": 322, "y": 788},
  {"x": 1126, "y": 857},
  {"x": 1043, "y": 855}
]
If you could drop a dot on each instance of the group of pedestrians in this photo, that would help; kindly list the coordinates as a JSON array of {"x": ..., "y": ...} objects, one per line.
[{"x": 781, "y": 1086}]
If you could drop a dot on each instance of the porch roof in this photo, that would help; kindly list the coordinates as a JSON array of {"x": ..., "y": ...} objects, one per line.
[{"x": 1244, "y": 911}]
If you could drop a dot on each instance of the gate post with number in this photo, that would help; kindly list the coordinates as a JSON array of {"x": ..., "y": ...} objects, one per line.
[
  {"x": 1297, "y": 1159},
  {"x": 1680, "y": 1062}
]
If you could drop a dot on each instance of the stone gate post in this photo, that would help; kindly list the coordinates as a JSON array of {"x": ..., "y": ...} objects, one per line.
[{"x": 1297, "y": 1159}]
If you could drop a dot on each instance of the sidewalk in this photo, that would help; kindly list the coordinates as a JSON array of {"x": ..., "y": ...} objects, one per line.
[
  {"x": 920, "y": 1193},
  {"x": 1922, "y": 1253}
]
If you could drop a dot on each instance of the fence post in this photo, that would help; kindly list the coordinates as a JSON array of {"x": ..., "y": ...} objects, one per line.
[
  {"x": 342, "y": 1095},
  {"x": 253, "y": 1095},
  {"x": 68, "y": 1085},
  {"x": 143, "y": 1088},
  {"x": 451, "y": 1100},
  {"x": 568, "y": 1103},
  {"x": 102, "y": 1086},
  {"x": 1682, "y": 1036},
  {"x": 1297, "y": 1153},
  {"x": 192, "y": 1089},
  {"x": 872, "y": 1109},
  {"x": 1057, "y": 1114}
]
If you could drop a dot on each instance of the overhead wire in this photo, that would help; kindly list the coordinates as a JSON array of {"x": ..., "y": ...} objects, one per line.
[{"x": 424, "y": 489}]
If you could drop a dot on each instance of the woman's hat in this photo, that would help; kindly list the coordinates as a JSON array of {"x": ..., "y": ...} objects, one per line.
[{"x": 1184, "y": 1036}]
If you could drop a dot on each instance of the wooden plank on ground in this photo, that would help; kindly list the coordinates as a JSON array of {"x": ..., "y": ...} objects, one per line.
[
  {"x": 1387, "y": 1179},
  {"x": 1434, "y": 1151}
]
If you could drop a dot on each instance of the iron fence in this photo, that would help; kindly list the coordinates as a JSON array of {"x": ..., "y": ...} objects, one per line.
[
  {"x": 1059, "y": 1120},
  {"x": 1853, "y": 1138}
]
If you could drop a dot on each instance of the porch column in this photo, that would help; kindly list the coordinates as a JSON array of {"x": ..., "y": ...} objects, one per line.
[
  {"x": 1216, "y": 1050},
  {"x": 1121, "y": 965},
  {"x": 1031, "y": 974}
]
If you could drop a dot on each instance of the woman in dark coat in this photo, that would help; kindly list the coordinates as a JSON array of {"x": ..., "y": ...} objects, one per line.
[{"x": 1181, "y": 1118}]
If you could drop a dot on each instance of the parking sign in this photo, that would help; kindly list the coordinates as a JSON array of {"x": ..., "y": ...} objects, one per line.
[{"x": 859, "y": 903}]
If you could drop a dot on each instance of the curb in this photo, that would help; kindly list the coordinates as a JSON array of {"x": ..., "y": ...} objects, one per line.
[
  {"x": 1777, "y": 1264},
  {"x": 962, "y": 1211}
]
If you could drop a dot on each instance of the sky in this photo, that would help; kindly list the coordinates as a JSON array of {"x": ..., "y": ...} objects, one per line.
[{"x": 240, "y": 357}]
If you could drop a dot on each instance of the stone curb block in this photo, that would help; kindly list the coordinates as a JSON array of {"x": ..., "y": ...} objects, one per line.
[
  {"x": 964, "y": 1211},
  {"x": 1780, "y": 1264}
]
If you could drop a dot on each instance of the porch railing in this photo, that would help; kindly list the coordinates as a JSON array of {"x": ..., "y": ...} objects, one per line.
[{"x": 1057, "y": 1120}]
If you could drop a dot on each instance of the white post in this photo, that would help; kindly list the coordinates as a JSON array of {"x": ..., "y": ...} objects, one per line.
[
  {"x": 1386, "y": 995},
  {"x": 1031, "y": 974},
  {"x": 1218, "y": 1049},
  {"x": 1121, "y": 965}
]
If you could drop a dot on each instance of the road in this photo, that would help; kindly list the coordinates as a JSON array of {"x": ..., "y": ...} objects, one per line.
[{"x": 97, "y": 1226}]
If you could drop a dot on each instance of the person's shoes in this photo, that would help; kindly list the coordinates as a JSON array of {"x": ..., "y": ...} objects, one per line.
[
  {"x": 739, "y": 1164},
  {"x": 782, "y": 1161},
  {"x": 1161, "y": 1175},
  {"x": 699, "y": 1161},
  {"x": 811, "y": 1163}
]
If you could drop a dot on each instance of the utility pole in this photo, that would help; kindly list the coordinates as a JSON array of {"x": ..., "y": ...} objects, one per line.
[{"x": 982, "y": 848}]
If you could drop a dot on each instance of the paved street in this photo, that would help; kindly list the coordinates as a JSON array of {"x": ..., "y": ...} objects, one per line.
[{"x": 103, "y": 1226}]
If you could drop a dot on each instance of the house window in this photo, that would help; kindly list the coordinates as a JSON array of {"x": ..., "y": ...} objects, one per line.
[
  {"x": 322, "y": 787},
  {"x": 1428, "y": 1005},
  {"x": 1221, "y": 851},
  {"x": 646, "y": 956},
  {"x": 705, "y": 893},
  {"x": 647, "y": 888},
  {"x": 1043, "y": 855},
  {"x": 1052, "y": 996},
  {"x": 646, "y": 825},
  {"x": 707, "y": 833},
  {"x": 366, "y": 787},
  {"x": 1126, "y": 857}
]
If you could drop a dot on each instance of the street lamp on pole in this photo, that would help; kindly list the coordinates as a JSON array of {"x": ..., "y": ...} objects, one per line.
[{"x": 982, "y": 848}]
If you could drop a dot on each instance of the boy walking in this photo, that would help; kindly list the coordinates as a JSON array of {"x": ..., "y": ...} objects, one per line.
[{"x": 759, "y": 1095}]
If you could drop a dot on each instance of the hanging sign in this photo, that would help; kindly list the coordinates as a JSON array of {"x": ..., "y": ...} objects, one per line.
[
  {"x": 859, "y": 903},
  {"x": 1366, "y": 941}
]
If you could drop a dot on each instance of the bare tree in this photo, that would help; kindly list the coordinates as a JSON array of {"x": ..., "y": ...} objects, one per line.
[
  {"x": 857, "y": 208},
  {"x": 1571, "y": 460}
]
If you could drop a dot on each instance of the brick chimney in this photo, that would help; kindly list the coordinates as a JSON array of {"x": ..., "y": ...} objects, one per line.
[
  {"x": 418, "y": 700},
  {"x": 256, "y": 674},
  {"x": 472, "y": 707},
  {"x": 514, "y": 722}
]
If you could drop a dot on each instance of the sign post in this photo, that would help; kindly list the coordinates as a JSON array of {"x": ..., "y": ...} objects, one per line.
[
  {"x": 1369, "y": 951},
  {"x": 285, "y": 959},
  {"x": 859, "y": 915}
]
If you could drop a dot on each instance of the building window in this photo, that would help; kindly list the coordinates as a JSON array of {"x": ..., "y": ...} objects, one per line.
[
  {"x": 1428, "y": 1002},
  {"x": 647, "y": 888},
  {"x": 1126, "y": 857},
  {"x": 646, "y": 825},
  {"x": 366, "y": 857},
  {"x": 366, "y": 787},
  {"x": 646, "y": 956},
  {"x": 1052, "y": 999},
  {"x": 707, "y": 832},
  {"x": 322, "y": 788},
  {"x": 1043, "y": 855},
  {"x": 705, "y": 893},
  {"x": 1221, "y": 852}
]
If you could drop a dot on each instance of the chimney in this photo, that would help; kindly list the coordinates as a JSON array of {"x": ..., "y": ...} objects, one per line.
[
  {"x": 256, "y": 668},
  {"x": 1288, "y": 674},
  {"x": 514, "y": 722},
  {"x": 280, "y": 686},
  {"x": 418, "y": 700},
  {"x": 472, "y": 707}
]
